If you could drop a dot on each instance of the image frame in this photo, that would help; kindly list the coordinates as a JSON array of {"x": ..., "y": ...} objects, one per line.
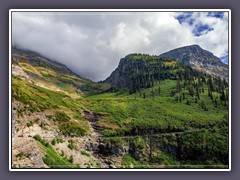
[{"x": 115, "y": 10}]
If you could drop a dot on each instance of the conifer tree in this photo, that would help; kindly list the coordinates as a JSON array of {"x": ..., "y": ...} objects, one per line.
[
  {"x": 222, "y": 96},
  {"x": 159, "y": 90}
]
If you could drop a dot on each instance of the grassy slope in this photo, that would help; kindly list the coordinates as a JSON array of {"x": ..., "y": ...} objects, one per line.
[
  {"x": 163, "y": 113},
  {"x": 54, "y": 88},
  {"x": 52, "y": 159},
  {"x": 38, "y": 99},
  {"x": 57, "y": 77},
  {"x": 205, "y": 132}
]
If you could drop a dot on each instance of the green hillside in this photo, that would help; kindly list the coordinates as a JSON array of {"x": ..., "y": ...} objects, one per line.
[
  {"x": 200, "y": 125},
  {"x": 157, "y": 113},
  {"x": 167, "y": 98},
  {"x": 52, "y": 75}
]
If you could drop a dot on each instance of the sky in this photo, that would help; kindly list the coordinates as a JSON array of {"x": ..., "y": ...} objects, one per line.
[{"x": 91, "y": 44}]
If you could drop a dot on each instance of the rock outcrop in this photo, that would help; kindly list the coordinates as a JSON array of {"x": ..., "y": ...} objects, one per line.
[{"x": 26, "y": 153}]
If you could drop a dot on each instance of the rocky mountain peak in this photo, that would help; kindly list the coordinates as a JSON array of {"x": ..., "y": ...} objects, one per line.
[
  {"x": 199, "y": 59},
  {"x": 194, "y": 54}
]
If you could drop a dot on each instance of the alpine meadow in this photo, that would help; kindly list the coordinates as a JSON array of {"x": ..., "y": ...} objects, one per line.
[{"x": 169, "y": 110}]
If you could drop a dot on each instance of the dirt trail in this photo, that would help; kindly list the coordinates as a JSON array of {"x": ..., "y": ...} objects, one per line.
[{"x": 160, "y": 134}]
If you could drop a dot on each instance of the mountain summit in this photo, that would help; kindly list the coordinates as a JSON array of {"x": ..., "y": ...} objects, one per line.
[
  {"x": 199, "y": 59},
  {"x": 190, "y": 54}
]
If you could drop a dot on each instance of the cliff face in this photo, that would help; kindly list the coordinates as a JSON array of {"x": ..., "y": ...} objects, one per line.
[{"x": 120, "y": 75}]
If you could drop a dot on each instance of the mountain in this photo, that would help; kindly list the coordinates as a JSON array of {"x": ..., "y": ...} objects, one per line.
[
  {"x": 142, "y": 69},
  {"x": 157, "y": 113},
  {"x": 170, "y": 105},
  {"x": 47, "y": 106},
  {"x": 152, "y": 68},
  {"x": 50, "y": 74},
  {"x": 200, "y": 59}
]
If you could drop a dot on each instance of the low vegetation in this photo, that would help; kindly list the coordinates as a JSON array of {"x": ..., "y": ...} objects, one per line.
[
  {"x": 52, "y": 159},
  {"x": 129, "y": 162}
]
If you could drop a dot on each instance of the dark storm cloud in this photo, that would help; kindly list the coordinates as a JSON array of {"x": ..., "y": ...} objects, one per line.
[{"x": 91, "y": 44}]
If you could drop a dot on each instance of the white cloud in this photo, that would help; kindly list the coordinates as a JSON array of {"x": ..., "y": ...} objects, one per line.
[
  {"x": 216, "y": 40},
  {"x": 91, "y": 44}
]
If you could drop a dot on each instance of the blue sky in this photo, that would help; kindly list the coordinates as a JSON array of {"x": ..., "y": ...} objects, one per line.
[
  {"x": 216, "y": 14},
  {"x": 92, "y": 44},
  {"x": 224, "y": 58},
  {"x": 199, "y": 29}
]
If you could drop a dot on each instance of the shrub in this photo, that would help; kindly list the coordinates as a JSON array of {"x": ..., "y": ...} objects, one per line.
[
  {"x": 71, "y": 144},
  {"x": 61, "y": 116},
  {"x": 85, "y": 153},
  {"x": 53, "y": 142}
]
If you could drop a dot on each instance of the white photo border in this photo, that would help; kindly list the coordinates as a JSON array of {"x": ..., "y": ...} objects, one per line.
[{"x": 114, "y": 10}]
